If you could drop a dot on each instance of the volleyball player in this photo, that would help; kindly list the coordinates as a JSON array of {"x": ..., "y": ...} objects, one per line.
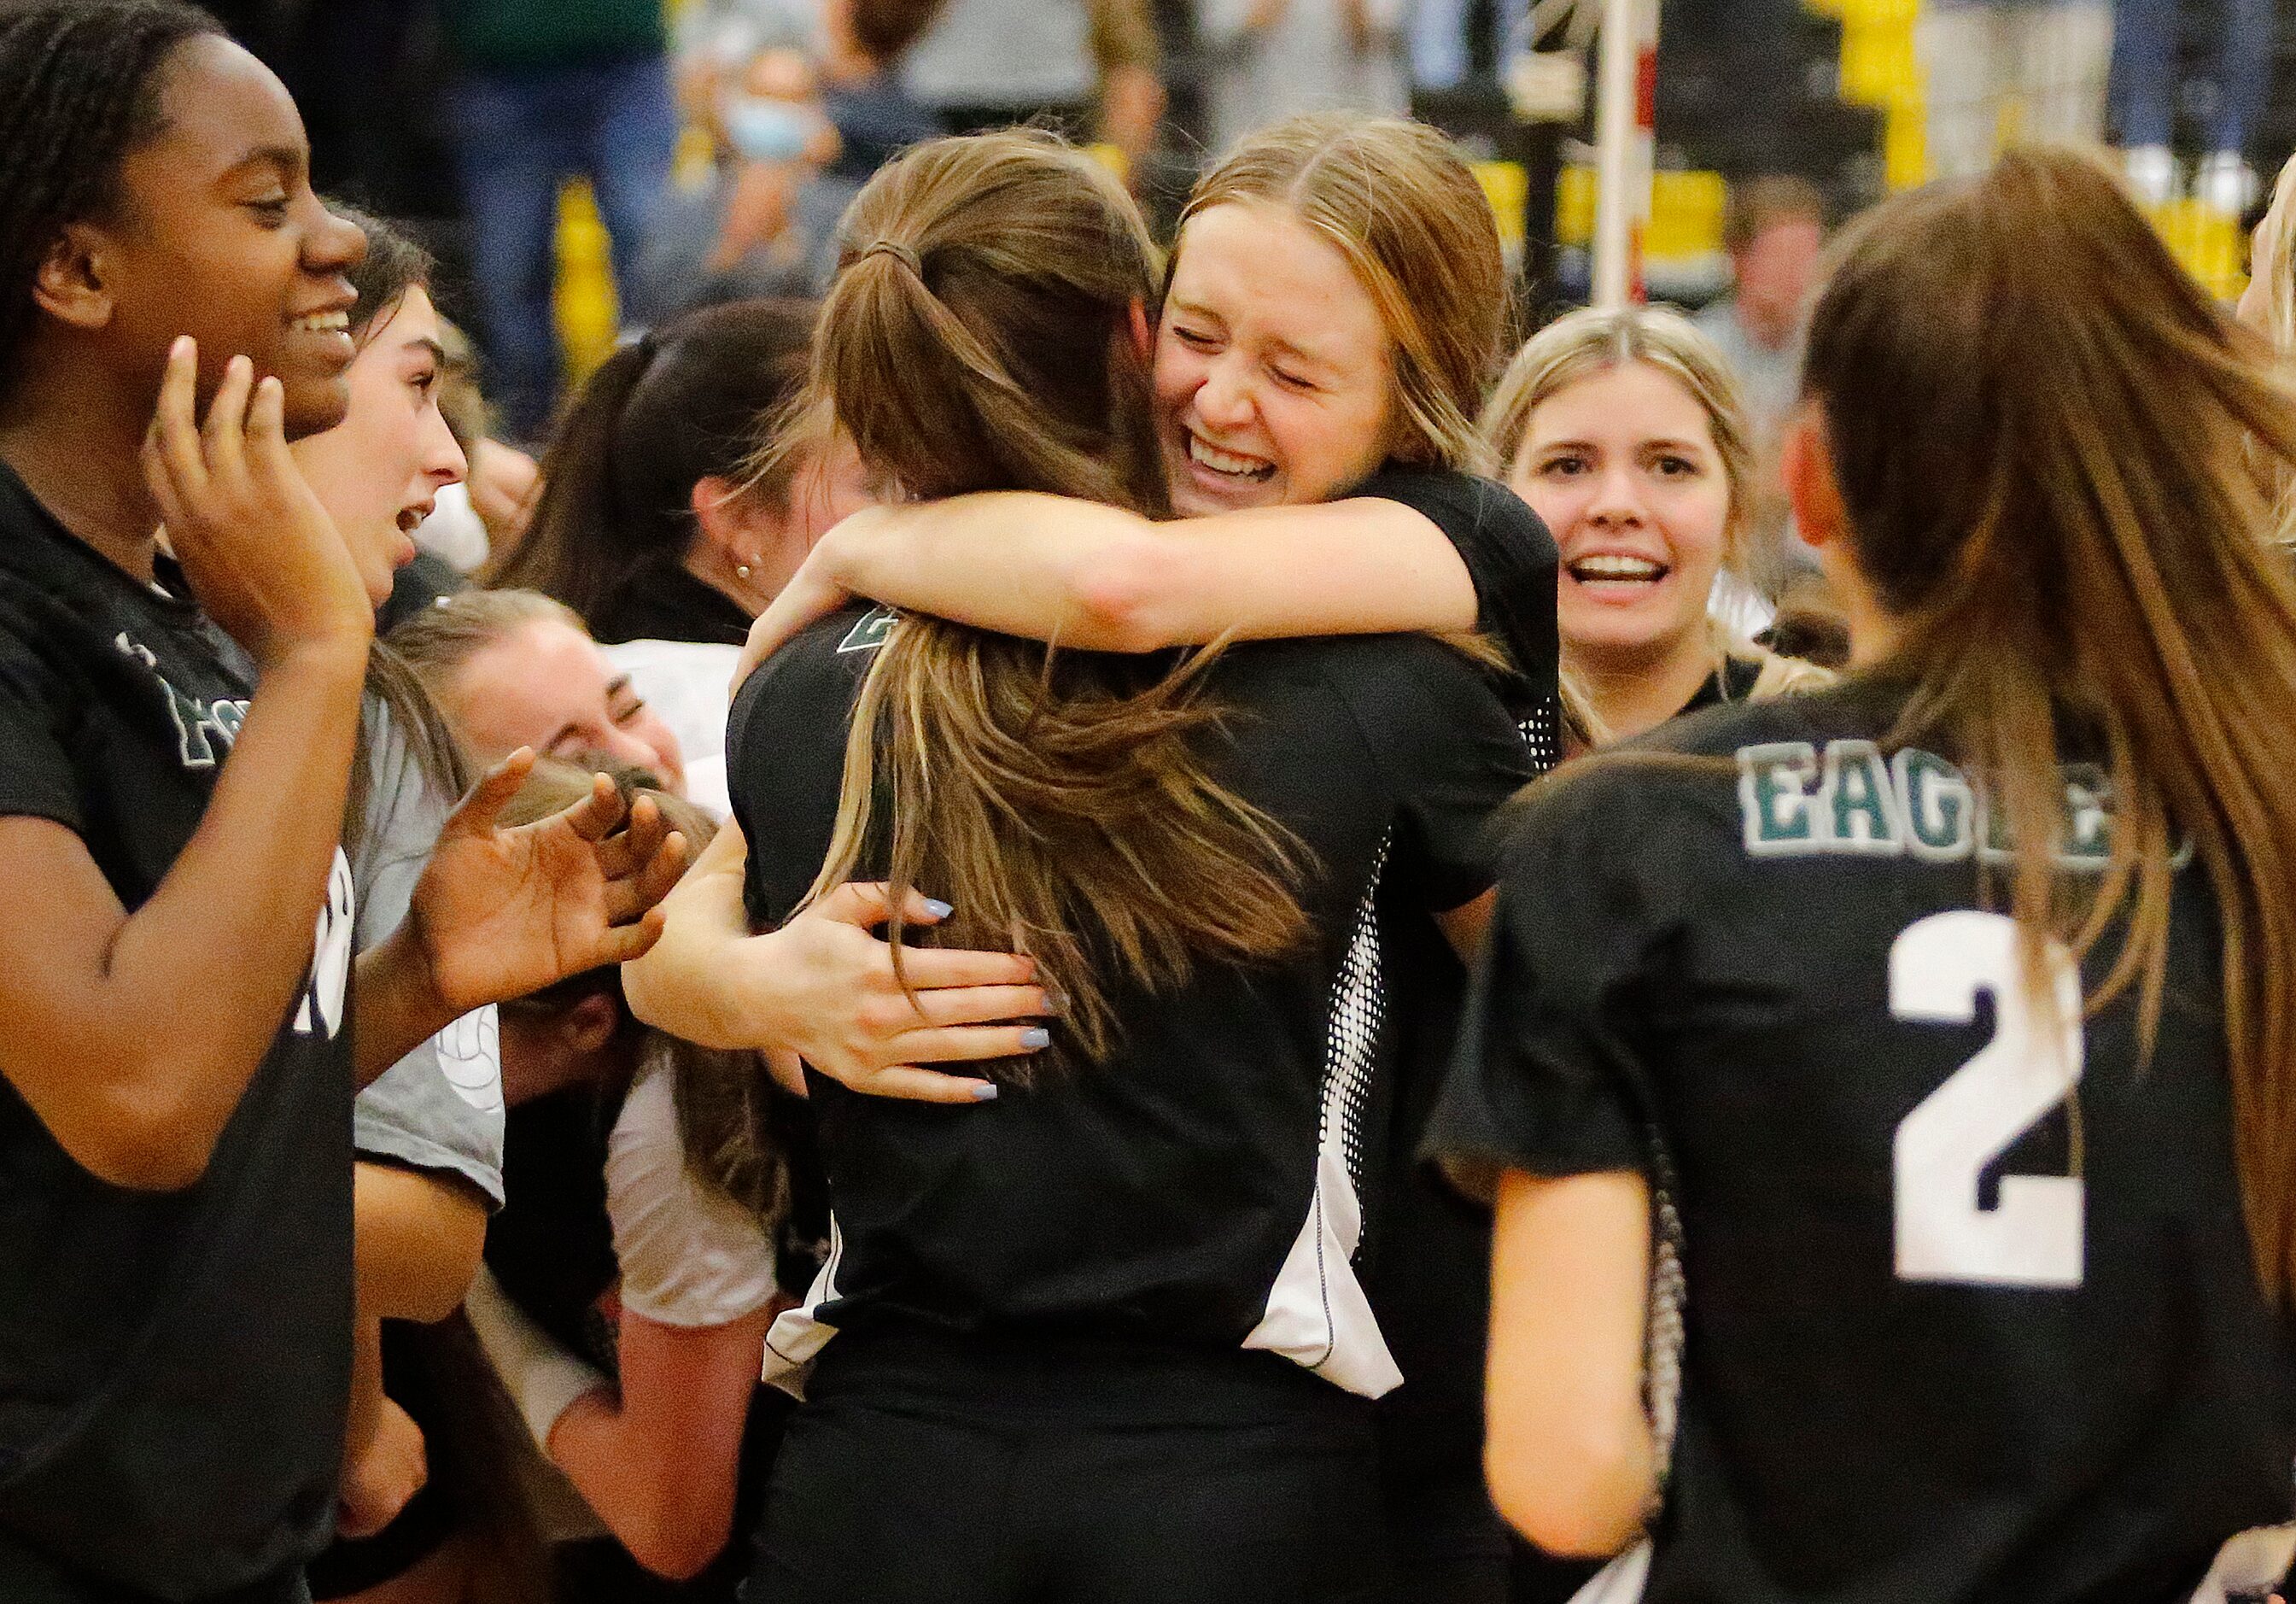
[
  {"x": 1085, "y": 1314},
  {"x": 176, "y": 1006},
  {"x": 1328, "y": 350},
  {"x": 1956, "y": 998}
]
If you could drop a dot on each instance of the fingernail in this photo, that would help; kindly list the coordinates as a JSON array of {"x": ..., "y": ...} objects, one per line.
[
  {"x": 1055, "y": 1002},
  {"x": 937, "y": 909},
  {"x": 984, "y": 1093},
  {"x": 1035, "y": 1037}
]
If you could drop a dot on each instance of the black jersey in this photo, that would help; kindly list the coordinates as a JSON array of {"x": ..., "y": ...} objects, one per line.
[
  {"x": 173, "y": 1366},
  {"x": 1426, "y": 1264},
  {"x": 1203, "y": 1187},
  {"x": 1512, "y": 561},
  {"x": 1971, "y": 1314}
]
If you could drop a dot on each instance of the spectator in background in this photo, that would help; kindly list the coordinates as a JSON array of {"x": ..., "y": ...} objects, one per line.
[
  {"x": 859, "y": 47},
  {"x": 1775, "y": 232},
  {"x": 763, "y": 221},
  {"x": 1270, "y": 60},
  {"x": 550, "y": 90},
  {"x": 2048, "y": 58},
  {"x": 2145, "y": 83},
  {"x": 866, "y": 41},
  {"x": 984, "y": 63}
]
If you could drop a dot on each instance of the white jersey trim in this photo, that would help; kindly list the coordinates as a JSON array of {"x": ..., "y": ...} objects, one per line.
[
  {"x": 1318, "y": 1316},
  {"x": 1620, "y": 1581},
  {"x": 796, "y": 1335}
]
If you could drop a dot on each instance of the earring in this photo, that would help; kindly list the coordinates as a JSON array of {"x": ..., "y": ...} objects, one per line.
[{"x": 740, "y": 570}]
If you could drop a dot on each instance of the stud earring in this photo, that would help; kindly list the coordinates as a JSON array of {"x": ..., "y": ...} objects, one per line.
[{"x": 740, "y": 570}]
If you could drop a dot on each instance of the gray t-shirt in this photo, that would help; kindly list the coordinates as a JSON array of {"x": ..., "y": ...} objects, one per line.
[{"x": 440, "y": 1107}]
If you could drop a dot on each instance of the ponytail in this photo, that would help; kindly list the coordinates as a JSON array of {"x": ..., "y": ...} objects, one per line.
[
  {"x": 583, "y": 542},
  {"x": 2059, "y": 461},
  {"x": 680, "y": 404},
  {"x": 979, "y": 337}
]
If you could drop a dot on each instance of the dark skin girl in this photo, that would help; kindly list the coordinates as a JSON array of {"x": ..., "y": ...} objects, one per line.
[{"x": 133, "y": 1036}]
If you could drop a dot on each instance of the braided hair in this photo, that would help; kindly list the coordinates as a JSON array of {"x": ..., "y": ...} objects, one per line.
[{"x": 84, "y": 83}]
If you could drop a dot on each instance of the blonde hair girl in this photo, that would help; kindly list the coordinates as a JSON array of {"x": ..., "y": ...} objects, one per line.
[{"x": 1625, "y": 431}]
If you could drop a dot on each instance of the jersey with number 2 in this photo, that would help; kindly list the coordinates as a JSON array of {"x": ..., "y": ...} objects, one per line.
[{"x": 1970, "y": 1309}]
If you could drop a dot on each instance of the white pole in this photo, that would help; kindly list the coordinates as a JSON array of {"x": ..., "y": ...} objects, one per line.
[{"x": 1622, "y": 150}]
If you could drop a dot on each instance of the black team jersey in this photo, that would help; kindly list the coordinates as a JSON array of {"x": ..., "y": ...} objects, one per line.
[
  {"x": 1426, "y": 1258},
  {"x": 173, "y": 1366},
  {"x": 1202, "y": 1187},
  {"x": 1970, "y": 1312}
]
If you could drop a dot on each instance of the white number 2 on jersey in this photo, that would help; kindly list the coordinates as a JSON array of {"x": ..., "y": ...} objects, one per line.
[{"x": 2033, "y": 1237}]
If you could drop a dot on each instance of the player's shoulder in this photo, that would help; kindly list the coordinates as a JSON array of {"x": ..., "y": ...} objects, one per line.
[{"x": 1391, "y": 684}]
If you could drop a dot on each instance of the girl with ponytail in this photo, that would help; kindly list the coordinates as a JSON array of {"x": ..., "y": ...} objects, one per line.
[
  {"x": 1129, "y": 1260},
  {"x": 646, "y": 525},
  {"x": 1968, "y": 979},
  {"x": 1335, "y": 309}
]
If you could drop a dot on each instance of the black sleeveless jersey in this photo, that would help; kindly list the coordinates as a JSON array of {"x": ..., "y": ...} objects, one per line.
[{"x": 1970, "y": 1309}]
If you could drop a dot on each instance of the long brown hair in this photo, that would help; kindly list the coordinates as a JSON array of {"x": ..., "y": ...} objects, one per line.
[
  {"x": 1396, "y": 201},
  {"x": 2042, "y": 431},
  {"x": 980, "y": 336}
]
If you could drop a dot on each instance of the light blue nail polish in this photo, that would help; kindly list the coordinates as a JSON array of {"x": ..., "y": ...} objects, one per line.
[
  {"x": 984, "y": 1094},
  {"x": 1035, "y": 1037},
  {"x": 937, "y": 909}
]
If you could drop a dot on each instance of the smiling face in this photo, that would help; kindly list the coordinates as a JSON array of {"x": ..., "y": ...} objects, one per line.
[
  {"x": 219, "y": 235},
  {"x": 379, "y": 471},
  {"x": 548, "y": 686},
  {"x": 1274, "y": 383},
  {"x": 1622, "y": 467}
]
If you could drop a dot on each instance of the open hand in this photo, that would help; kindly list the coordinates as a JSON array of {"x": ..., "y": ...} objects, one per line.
[
  {"x": 855, "y": 1023},
  {"x": 264, "y": 559},
  {"x": 500, "y": 913}
]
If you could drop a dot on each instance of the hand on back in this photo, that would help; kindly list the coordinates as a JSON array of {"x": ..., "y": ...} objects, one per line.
[{"x": 850, "y": 1017}]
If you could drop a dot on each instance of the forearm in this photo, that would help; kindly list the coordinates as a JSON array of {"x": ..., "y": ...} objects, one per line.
[
  {"x": 680, "y": 985},
  {"x": 673, "y": 1519},
  {"x": 1042, "y": 567},
  {"x": 659, "y": 1461},
  {"x": 366, "y": 1385},
  {"x": 1569, "y": 1453},
  {"x": 396, "y": 1004},
  {"x": 1100, "y": 579},
  {"x": 419, "y": 1237}
]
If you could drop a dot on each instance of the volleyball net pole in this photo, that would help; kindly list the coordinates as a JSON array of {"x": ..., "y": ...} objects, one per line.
[{"x": 1625, "y": 120}]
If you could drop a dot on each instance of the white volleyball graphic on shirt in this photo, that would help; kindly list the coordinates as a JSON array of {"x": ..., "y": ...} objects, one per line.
[
  {"x": 330, "y": 954},
  {"x": 470, "y": 1053}
]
